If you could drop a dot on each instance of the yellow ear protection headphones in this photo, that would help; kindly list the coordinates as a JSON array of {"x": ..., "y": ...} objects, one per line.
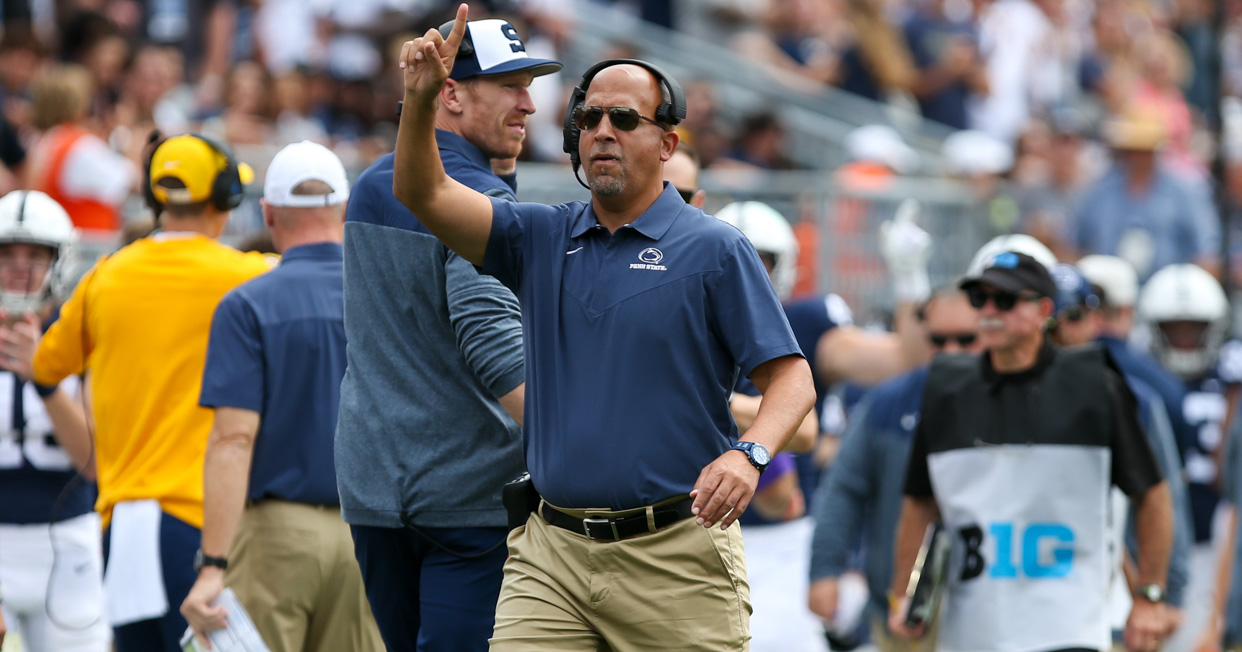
[
  {"x": 668, "y": 113},
  {"x": 227, "y": 190}
]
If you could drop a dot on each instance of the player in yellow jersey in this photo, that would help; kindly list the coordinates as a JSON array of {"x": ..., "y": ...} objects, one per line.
[{"x": 137, "y": 324}]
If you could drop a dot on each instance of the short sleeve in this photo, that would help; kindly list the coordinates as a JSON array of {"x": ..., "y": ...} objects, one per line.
[
  {"x": 1134, "y": 466},
  {"x": 234, "y": 373},
  {"x": 504, "y": 254},
  {"x": 748, "y": 315}
]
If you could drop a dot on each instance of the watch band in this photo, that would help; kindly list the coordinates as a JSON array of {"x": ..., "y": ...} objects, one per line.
[{"x": 201, "y": 559}]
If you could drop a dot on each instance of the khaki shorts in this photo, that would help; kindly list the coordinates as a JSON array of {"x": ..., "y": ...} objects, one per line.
[{"x": 681, "y": 588}]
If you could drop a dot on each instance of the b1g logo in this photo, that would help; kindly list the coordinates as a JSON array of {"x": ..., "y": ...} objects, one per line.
[{"x": 1042, "y": 551}]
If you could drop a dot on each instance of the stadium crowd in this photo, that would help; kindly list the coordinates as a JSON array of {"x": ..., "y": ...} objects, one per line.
[{"x": 1086, "y": 129}]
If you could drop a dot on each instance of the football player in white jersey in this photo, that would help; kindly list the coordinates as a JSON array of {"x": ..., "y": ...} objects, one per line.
[{"x": 51, "y": 566}]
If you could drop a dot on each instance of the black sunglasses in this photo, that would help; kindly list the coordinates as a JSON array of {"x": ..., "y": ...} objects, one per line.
[
  {"x": 685, "y": 194},
  {"x": 939, "y": 340},
  {"x": 1004, "y": 301},
  {"x": 1073, "y": 314},
  {"x": 621, "y": 117}
]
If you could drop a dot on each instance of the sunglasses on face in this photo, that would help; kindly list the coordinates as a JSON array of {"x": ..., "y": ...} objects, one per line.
[
  {"x": 623, "y": 118},
  {"x": 1073, "y": 313},
  {"x": 939, "y": 340},
  {"x": 1004, "y": 301}
]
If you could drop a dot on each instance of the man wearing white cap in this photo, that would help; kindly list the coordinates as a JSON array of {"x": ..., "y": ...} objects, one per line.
[
  {"x": 272, "y": 528},
  {"x": 425, "y": 440}
]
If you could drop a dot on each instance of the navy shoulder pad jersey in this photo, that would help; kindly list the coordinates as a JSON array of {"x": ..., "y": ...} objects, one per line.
[{"x": 36, "y": 476}]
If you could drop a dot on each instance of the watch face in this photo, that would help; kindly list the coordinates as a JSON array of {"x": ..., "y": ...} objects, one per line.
[{"x": 761, "y": 454}]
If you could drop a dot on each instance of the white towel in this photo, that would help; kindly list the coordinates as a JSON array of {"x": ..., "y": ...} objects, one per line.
[{"x": 134, "y": 579}]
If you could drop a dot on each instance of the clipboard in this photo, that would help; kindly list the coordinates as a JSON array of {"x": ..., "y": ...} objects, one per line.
[
  {"x": 239, "y": 635},
  {"x": 928, "y": 578}
]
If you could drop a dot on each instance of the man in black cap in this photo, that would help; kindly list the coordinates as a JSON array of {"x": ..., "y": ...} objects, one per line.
[{"x": 1016, "y": 452}]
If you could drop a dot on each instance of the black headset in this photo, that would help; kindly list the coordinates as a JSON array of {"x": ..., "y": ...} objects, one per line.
[
  {"x": 227, "y": 191},
  {"x": 669, "y": 113}
]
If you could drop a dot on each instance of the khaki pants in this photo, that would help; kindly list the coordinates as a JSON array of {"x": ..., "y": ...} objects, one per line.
[
  {"x": 681, "y": 588},
  {"x": 292, "y": 567},
  {"x": 885, "y": 642}
]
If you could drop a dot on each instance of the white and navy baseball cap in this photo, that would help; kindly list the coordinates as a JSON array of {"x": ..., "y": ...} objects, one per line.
[
  {"x": 305, "y": 161},
  {"x": 492, "y": 47}
]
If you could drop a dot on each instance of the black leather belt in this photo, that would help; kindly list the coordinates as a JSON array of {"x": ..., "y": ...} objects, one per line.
[{"x": 602, "y": 528}]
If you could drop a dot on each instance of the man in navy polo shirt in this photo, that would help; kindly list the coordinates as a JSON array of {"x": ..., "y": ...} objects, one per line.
[
  {"x": 639, "y": 311},
  {"x": 424, "y": 444},
  {"x": 273, "y": 373}
]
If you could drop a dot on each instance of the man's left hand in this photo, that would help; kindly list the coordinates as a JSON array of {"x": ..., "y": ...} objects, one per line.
[
  {"x": 1146, "y": 627},
  {"x": 724, "y": 489}
]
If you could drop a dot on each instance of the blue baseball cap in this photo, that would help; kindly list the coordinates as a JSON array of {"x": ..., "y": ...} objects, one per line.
[{"x": 493, "y": 47}]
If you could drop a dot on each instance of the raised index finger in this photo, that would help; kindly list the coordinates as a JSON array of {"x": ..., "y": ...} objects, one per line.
[{"x": 459, "y": 28}]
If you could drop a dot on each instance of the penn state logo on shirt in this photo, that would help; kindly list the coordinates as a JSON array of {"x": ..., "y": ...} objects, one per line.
[{"x": 650, "y": 259}]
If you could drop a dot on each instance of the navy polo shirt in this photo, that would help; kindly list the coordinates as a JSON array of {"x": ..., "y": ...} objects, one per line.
[
  {"x": 277, "y": 347},
  {"x": 633, "y": 343}
]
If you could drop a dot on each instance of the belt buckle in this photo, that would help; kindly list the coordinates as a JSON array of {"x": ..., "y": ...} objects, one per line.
[{"x": 595, "y": 521}]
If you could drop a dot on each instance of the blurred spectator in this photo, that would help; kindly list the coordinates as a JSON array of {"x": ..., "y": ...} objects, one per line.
[
  {"x": 799, "y": 36},
  {"x": 1048, "y": 195},
  {"x": 293, "y": 108},
  {"x": 981, "y": 161},
  {"x": 1010, "y": 33},
  {"x": 93, "y": 41},
  {"x": 1141, "y": 210},
  {"x": 702, "y": 124},
  {"x": 288, "y": 35},
  {"x": 876, "y": 64},
  {"x": 247, "y": 115},
  {"x": 69, "y": 162},
  {"x": 950, "y": 70},
  {"x": 146, "y": 100},
  {"x": 1193, "y": 25},
  {"x": 761, "y": 143},
  {"x": 20, "y": 57},
  {"x": 203, "y": 31},
  {"x": 1164, "y": 68}
]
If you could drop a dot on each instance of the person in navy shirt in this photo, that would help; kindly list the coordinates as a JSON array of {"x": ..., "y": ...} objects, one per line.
[
  {"x": 275, "y": 361},
  {"x": 431, "y": 404},
  {"x": 51, "y": 561},
  {"x": 639, "y": 312}
]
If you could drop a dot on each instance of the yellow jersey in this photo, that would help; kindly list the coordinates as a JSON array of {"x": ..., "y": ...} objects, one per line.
[{"x": 138, "y": 324}]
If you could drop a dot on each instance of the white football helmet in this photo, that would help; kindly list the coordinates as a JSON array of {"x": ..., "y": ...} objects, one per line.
[
  {"x": 1185, "y": 292},
  {"x": 770, "y": 233},
  {"x": 1017, "y": 243},
  {"x": 31, "y": 217}
]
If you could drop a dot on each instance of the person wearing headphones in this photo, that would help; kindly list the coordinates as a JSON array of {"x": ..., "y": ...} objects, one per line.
[
  {"x": 273, "y": 377},
  {"x": 639, "y": 311},
  {"x": 139, "y": 321},
  {"x": 51, "y": 563}
]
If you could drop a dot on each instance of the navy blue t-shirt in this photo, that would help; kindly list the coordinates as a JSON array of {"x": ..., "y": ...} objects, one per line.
[
  {"x": 277, "y": 347},
  {"x": 633, "y": 340},
  {"x": 34, "y": 471}
]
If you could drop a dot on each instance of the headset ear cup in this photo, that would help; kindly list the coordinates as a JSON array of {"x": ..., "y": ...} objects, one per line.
[{"x": 227, "y": 192}]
